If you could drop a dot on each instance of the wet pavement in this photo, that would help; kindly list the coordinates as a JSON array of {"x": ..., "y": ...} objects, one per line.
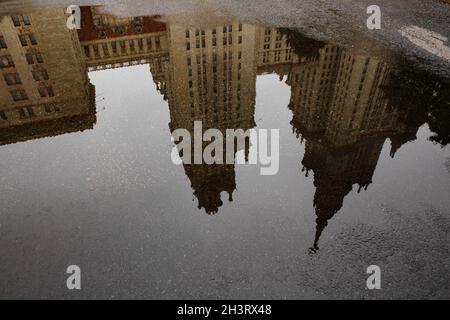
[{"x": 87, "y": 179}]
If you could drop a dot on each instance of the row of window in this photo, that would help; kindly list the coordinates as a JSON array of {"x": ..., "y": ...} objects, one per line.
[
  {"x": 12, "y": 79},
  {"x": 32, "y": 57},
  {"x": 277, "y": 38},
  {"x": 39, "y": 75},
  {"x": 23, "y": 38},
  {"x": 21, "y": 95},
  {"x": 202, "y": 59},
  {"x": 213, "y": 31},
  {"x": 7, "y": 60},
  {"x": 133, "y": 47},
  {"x": 18, "y": 20},
  {"x": 27, "y": 112},
  {"x": 46, "y": 91},
  {"x": 202, "y": 44},
  {"x": 277, "y": 46}
]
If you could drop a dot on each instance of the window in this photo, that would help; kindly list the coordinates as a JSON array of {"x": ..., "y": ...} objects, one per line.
[
  {"x": 42, "y": 92},
  {"x": 46, "y": 91},
  {"x": 3, "y": 43},
  {"x": 16, "y": 21},
  {"x": 32, "y": 39},
  {"x": 187, "y": 34},
  {"x": 96, "y": 51},
  {"x": 6, "y": 61},
  {"x": 123, "y": 46},
  {"x": 10, "y": 61},
  {"x": 51, "y": 108},
  {"x": 39, "y": 57},
  {"x": 12, "y": 79},
  {"x": 86, "y": 51},
  {"x": 45, "y": 74},
  {"x": 114, "y": 46},
  {"x": 35, "y": 75},
  {"x": 131, "y": 45},
  {"x": 149, "y": 42},
  {"x": 158, "y": 42},
  {"x": 23, "y": 40},
  {"x": 188, "y": 46},
  {"x": 3, "y": 115},
  {"x": 26, "y": 20},
  {"x": 19, "y": 95},
  {"x": 26, "y": 112}
]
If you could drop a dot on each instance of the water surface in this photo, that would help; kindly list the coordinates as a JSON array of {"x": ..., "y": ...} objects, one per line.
[{"x": 86, "y": 176}]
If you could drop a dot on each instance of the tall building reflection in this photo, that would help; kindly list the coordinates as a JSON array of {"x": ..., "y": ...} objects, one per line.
[
  {"x": 212, "y": 75},
  {"x": 207, "y": 72},
  {"x": 342, "y": 113},
  {"x": 44, "y": 84}
]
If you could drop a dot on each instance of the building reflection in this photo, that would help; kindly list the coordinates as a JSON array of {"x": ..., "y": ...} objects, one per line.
[
  {"x": 44, "y": 88},
  {"x": 341, "y": 109},
  {"x": 212, "y": 75},
  {"x": 343, "y": 116},
  {"x": 112, "y": 42}
]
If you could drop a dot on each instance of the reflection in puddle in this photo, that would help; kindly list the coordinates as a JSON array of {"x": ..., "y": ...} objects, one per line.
[
  {"x": 338, "y": 100},
  {"x": 344, "y": 104}
]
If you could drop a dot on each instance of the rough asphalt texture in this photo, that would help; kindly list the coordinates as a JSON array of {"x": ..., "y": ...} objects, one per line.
[{"x": 340, "y": 22}]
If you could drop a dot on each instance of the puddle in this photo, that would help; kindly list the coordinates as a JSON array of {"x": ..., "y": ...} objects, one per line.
[{"x": 87, "y": 178}]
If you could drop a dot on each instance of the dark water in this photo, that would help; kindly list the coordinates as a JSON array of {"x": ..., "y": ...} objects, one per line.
[{"x": 86, "y": 176}]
